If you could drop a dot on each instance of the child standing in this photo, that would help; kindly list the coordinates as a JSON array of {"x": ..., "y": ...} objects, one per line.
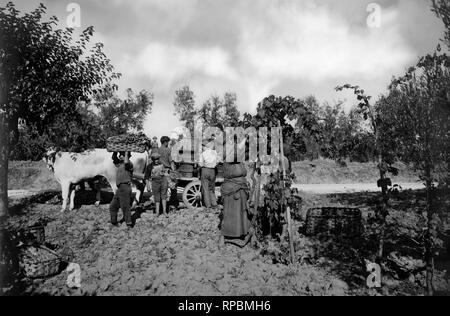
[
  {"x": 159, "y": 182},
  {"x": 122, "y": 197}
]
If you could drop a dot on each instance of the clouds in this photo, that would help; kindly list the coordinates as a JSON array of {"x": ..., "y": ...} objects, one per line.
[
  {"x": 298, "y": 41},
  {"x": 273, "y": 41},
  {"x": 167, "y": 64},
  {"x": 256, "y": 47}
]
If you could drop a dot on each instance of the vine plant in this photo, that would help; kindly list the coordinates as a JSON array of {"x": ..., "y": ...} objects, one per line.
[{"x": 385, "y": 161}]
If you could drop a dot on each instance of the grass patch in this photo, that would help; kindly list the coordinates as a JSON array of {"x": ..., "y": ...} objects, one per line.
[
  {"x": 30, "y": 175},
  {"x": 328, "y": 171}
]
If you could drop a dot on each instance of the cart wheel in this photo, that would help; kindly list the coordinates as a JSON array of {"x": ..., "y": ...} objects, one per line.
[{"x": 192, "y": 195}]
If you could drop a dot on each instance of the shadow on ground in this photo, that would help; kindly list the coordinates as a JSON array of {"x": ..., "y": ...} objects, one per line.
[{"x": 404, "y": 235}]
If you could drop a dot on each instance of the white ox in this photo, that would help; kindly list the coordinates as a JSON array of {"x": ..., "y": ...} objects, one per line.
[{"x": 73, "y": 168}]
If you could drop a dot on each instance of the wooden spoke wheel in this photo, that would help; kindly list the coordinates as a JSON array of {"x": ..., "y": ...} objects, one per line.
[{"x": 192, "y": 195}]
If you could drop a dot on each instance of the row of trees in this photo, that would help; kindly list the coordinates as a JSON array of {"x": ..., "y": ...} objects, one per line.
[
  {"x": 415, "y": 115},
  {"x": 43, "y": 74},
  {"x": 411, "y": 122},
  {"x": 89, "y": 126},
  {"x": 215, "y": 111},
  {"x": 313, "y": 130},
  {"x": 56, "y": 90},
  {"x": 331, "y": 132}
]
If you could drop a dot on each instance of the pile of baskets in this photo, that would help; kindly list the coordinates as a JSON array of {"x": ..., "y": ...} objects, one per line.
[
  {"x": 334, "y": 222},
  {"x": 37, "y": 260},
  {"x": 128, "y": 142}
]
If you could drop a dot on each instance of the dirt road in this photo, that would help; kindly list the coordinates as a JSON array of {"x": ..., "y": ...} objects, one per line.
[
  {"x": 349, "y": 187},
  {"x": 309, "y": 188},
  {"x": 18, "y": 194}
]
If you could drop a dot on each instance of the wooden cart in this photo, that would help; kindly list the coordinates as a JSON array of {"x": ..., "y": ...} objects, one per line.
[{"x": 189, "y": 185}]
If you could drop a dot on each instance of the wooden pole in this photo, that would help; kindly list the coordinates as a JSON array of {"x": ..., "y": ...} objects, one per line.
[
  {"x": 288, "y": 210},
  {"x": 256, "y": 177}
]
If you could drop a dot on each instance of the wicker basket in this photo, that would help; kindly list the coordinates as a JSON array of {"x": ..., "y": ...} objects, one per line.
[
  {"x": 112, "y": 147},
  {"x": 39, "y": 262},
  {"x": 186, "y": 170},
  {"x": 334, "y": 222},
  {"x": 35, "y": 234}
]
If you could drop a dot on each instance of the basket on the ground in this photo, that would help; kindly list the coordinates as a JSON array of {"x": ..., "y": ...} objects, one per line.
[
  {"x": 34, "y": 234},
  {"x": 339, "y": 222},
  {"x": 39, "y": 262},
  {"x": 128, "y": 142}
]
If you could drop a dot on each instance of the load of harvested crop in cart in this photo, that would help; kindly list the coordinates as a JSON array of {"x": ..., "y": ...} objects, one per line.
[{"x": 128, "y": 142}]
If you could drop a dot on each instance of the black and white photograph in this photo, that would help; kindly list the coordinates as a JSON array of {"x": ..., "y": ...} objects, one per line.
[{"x": 225, "y": 154}]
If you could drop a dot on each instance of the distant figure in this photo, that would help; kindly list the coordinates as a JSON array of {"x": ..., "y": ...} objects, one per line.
[
  {"x": 208, "y": 163},
  {"x": 122, "y": 197},
  {"x": 155, "y": 143}
]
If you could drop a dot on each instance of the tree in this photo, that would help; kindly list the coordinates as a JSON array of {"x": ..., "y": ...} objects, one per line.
[
  {"x": 184, "y": 105},
  {"x": 74, "y": 131},
  {"x": 277, "y": 112},
  {"x": 385, "y": 161},
  {"x": 331, "y": 142},
  {"x": 43, "y": 74},
  {"x": 308, "y": 145},
  {"x": 220, "y": 112},
  {"x": 204, "y": 113},
  {"x": 215, "y": 111},
  {"x": 118, "y": 116},
  {"x": 30, "y": 145},
  {"x": 88, "y": 127},
  {"x": 296, "y": 118},
  {"x": 442, "y": 9},
  {"x": 420, "y": 102},
  {"x": 231, "y": 115},
  {"x": 363, "y": 147},
  {"x": 216, "y": 114}
]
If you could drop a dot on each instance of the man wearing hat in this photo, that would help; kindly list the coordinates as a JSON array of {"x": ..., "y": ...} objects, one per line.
[
  {"x": 122, "y": 197},
  {"x": 155, "y": 171},
  {"x": 208, "y": 163},
  {"x": 169, "y": 165},
  {"x": 166, "y": 153}
]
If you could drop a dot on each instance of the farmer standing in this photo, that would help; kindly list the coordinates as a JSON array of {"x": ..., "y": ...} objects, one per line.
[
  {"x": 166, "y": 153},
  {"x": 122, "y": 197},
  {"x": 208, "y": 163},
  {"x": 173, "y": 180},
  {"x": 169, "y": 165}
]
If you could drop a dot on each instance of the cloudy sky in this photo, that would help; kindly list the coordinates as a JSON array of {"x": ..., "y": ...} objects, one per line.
[{"x": 254, "y": 47}]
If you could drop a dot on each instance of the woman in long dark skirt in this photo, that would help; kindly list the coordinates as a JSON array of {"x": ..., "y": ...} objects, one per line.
[{"x": 236, "y": 222}]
